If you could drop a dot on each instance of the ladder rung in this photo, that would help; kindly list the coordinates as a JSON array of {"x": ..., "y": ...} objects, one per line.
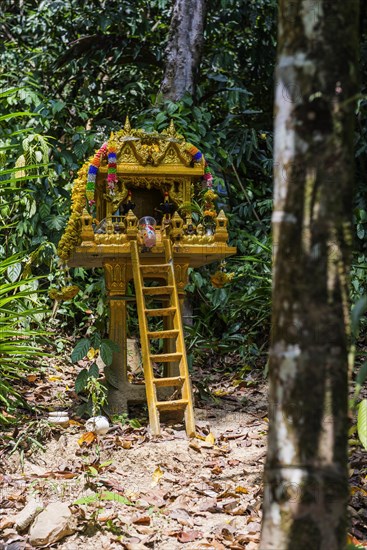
[
  {"x": 172, "y": 405},
  {"x": 173, "y": 381},
  {"x": 166, "y": 357},
  {"x": 161, "y": 312},
  {"x": 153, "y": 290},
  {"x": 163, "y": 334},
  {"x": 154, "y": 269}
]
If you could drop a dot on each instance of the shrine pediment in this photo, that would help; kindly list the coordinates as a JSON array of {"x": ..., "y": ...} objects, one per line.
[{"x": 136, "y": 147}]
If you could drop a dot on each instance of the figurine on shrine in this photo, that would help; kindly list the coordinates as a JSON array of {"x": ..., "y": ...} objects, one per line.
[
  {"x": 166, "y": 208},
  {"x": 128, "y": 205},
  {"x": 147, "y": 232}
]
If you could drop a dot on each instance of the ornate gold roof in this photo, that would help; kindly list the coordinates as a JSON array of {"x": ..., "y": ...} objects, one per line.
[{"x": 140, "y": 151}]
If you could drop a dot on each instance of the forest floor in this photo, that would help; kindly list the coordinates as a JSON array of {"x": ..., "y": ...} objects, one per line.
[{"x": 128, "y": 489}]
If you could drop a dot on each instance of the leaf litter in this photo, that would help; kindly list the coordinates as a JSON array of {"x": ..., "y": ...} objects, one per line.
[{"x": 130, "y": 490}]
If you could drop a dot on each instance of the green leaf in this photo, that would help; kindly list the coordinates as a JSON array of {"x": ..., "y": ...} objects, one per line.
[
  {"x": 87, "y": 500},
  {"x": 109, "y": 495},
  {"x": 95, "y": 340},
  {"x": 358, "y": 310},
  {"x": 56, "y": 222},
  {"x": 80, "y": 350},
  {"x": 94, "y": 370},
  {"x": 58, "y": 106},
  {"x": 362, "y": 423},
  {"x": 106, "y": 353},
  {"x": 81, "y": 380},
  {"x": 134, "y": 423},
  {"x": 360, "y": 231},
  {"x": 44, "y": 210},
  {"x": 14, "y": 271},
  {"x": 106, "y": 350}
]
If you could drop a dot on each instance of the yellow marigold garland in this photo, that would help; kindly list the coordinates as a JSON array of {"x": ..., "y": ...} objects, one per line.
[{"x": 71, "y": 237}]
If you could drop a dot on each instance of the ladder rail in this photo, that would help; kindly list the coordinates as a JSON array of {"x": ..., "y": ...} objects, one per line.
[
  {"x": 144, "y": 341},
  {"x": 180, "y": 344}
]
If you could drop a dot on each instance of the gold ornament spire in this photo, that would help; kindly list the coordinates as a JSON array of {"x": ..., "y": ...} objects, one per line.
[
  {"x": 127, "y": 126},
  {"x": 171, "y": 130}
]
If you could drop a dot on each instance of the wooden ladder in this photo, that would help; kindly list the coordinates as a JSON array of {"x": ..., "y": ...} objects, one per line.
[{"x": 164, "y": 271}]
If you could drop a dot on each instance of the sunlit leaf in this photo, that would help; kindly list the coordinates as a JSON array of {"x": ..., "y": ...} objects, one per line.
[
  {"x": 157, "y": 475},
  {"x": 87, "y": 438},
  {"x": 362, "y": 422}
]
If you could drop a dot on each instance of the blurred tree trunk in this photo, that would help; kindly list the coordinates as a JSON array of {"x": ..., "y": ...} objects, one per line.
[
  {"x": 184, "y": 48},
  {"x": 306, "y": 475}
]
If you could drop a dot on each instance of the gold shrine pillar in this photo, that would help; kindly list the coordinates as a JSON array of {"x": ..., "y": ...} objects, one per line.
[{"x": 120, "y": 390}]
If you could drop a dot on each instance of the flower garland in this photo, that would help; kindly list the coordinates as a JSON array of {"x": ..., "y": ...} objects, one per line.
[
  {"x": 108, "y": 149},
  {"x": 71, "y": 237},
  {"x": 196, "y": 157},
  {"x": 92, "y": 173},
  {"x": 209, "y": 196},
  {"x": 112, "y": 168}
]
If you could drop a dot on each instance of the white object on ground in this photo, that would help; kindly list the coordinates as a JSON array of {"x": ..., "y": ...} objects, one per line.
[
  {"x": 98, "y": 425},
  {"x": 60, "y": 418}
]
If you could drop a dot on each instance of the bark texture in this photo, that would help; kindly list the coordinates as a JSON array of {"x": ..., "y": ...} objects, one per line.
[
  {"x": 184, "y": 48},
  {"x": 306, "y": 481}
]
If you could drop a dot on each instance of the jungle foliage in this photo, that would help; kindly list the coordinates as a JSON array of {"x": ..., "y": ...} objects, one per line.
[{"x": 78, "y": 69}]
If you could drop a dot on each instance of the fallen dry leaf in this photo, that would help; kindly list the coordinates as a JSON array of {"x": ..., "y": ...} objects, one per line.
[
  {"x": 5, "y": 523},
  {"x": 195, "y": 445},
  {"x": 141, "y": 519},
  {"x": 210, "y": 438},
  {"x": 87, "y": 438},
  {"x": 157, "y": 475},
  {"x": 233, "y": 462},
  {"x": 182, "y": 517},
  {"x": 188, "y": 536},
  {"x": 107, "y": 517},
  {"x": 241, "y": 489}
]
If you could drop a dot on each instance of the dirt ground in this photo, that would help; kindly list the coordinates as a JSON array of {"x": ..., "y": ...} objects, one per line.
[
  {"x": 130, "y": 490},
  {"x": 127, "y": 489}
]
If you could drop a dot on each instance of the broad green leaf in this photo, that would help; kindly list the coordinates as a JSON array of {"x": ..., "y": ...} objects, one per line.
[
  {"x": 81, "y": 380},
  {"x": 134, "y": 423},
  {"x": 109, "y": 495},
  {"x": 362, "y": 423},
  {"x": 96, "y": 340},
  {"x": 87, "y": 500},
  {"x": 56, "y": 222},
  {"x": 358, "y": 310},
  {"x": 94, "y": 370},
  {"x": 14, "y": 271},
  {"x": 106, "y": 353},
  {"x": 107, "y": 349},
  {"x": 80, "y": 350},
  {"x": 44, "y": 210}
]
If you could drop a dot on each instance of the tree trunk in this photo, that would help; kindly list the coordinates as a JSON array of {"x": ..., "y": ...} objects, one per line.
[
  {"x": 183, "y": 52},
  {"x": 306, "y": 476}
]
